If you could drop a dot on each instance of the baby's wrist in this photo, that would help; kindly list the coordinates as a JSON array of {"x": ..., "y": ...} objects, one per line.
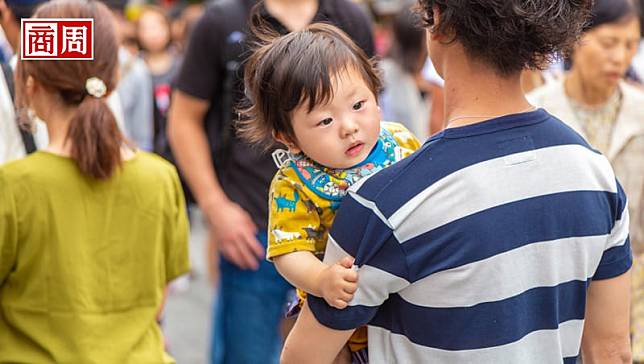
[{"x": 320, "y": 283}]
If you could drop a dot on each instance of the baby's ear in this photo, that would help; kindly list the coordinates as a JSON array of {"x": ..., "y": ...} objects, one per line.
[{"x": 292, "y": 147}]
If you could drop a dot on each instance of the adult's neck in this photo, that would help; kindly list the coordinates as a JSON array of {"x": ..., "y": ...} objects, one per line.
[
  {"x": 475, "y": 92},
  {"x": 158, "y": 62},
  {"x": 58, "y": 120},
  {"x": 293, "y": 14},
  {"x": 584, "y": 92}
]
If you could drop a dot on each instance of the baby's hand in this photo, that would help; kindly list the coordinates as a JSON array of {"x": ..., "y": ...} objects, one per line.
[{"x": 338, "y": 283}]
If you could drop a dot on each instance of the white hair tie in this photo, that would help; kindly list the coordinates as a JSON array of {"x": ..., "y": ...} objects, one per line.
[{"x": 95, "y": 87}]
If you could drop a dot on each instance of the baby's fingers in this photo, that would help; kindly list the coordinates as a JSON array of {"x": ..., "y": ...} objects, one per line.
[
  {"x": 339, "y": 304},
  {"x": 350, "y": 288},
  {"x": 351, "y": 275},
  {"x": 344, "y": 296}
]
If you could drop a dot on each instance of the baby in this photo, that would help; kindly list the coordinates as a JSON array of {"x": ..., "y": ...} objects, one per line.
[{"x": 316, "y": 92}]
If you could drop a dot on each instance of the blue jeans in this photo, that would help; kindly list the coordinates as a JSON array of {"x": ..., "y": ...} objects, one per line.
[{"x": 247, "y": 313}]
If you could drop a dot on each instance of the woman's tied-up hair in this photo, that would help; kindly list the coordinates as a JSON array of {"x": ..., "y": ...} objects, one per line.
[
  {"x": 95, "y": 138},
  {"x": 295, "y": 69},
  {"x": 509, "y": 35}
]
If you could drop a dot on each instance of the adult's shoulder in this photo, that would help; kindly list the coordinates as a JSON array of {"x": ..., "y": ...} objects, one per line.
[
  {"x": 209, "y": 47},
  {"x": 219, "y": 18},
  {"x": 32, "y": 164},
  {"x": 39, "y": 171},
  {"x": 152, "y": 164},
  {"x": 391, "y": 187},
  {"x": 349, "y": 8},
  {"x": 633, "y": 94},
  {"x": 632, "y": 111},
  {"x": 211, "y": 21}
]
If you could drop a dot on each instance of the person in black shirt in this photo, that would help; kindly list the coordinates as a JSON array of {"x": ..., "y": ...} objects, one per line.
[{"x": 229, "y": 179}]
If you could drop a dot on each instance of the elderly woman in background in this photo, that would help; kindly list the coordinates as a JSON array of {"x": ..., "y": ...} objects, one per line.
[{"x": 609, "y": 113}]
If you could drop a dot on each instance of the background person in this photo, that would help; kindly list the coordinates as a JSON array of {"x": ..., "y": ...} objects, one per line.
[
  {"x": 91, "y": 231},
  {"x": 229, "y": 179},
  {"x": 406, "y": 95},
  {"x": 334, "y": 136},
  {"x": 595, "y": 101}
]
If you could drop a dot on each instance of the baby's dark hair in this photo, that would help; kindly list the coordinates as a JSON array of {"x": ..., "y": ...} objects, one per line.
[
  {"x": 510, "y": 35},
  {"x": 286, "y": 71}
]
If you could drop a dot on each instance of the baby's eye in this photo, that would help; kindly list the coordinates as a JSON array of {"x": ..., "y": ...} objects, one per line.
[
  {"x": 358, "y": 105},
  {"x": 325, "y": 122}
]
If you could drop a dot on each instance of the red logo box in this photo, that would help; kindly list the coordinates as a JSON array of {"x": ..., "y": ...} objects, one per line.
[{"x": 57, "y": 39}]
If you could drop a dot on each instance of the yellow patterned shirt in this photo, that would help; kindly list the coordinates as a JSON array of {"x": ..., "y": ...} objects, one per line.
[{"x": 305, "y": 195}]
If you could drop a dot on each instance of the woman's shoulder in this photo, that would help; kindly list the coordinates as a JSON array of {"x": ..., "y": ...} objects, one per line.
[
  {"x": 632, "y": 92},
  {"x": 152, "y": 161},
  {"x": 146, "y": 168},
  {"x": 150, "y": 164},
  {"x": 33, "y": 165}
]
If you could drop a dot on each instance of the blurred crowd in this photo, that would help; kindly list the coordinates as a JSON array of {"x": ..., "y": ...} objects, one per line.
[{"x": 164, "y": 85}]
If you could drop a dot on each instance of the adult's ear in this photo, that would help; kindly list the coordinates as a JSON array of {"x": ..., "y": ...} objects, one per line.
[
  {"x": 31, "y": 86},
  {"x": 435, "y": 32}
]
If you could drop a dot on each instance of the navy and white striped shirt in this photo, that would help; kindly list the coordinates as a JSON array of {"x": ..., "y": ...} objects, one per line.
[{"x": 479, "y": 248}]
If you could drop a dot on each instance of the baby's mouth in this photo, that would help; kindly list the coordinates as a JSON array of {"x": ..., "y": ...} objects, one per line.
[{"x": 354, "y": 149}]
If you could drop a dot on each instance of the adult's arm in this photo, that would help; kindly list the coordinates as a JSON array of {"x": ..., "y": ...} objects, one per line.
[
  {"x": 231, "y": 226},
  {"x": 311, "y": 342},
  {"x": 606, "y": 330},
  {"x": 606, "y": 337},
  {"x": 191, "y": 149},
  {"x": 359, "y": 231}
]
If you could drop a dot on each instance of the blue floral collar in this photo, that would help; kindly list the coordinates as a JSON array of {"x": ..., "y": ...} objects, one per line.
[{"x": 332, "y": 184}]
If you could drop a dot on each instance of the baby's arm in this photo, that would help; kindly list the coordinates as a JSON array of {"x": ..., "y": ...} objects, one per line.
[{"x": 336, "y": 283}]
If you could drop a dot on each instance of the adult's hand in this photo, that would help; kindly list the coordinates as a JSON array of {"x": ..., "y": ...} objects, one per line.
[{"x": 234, "y": 232}]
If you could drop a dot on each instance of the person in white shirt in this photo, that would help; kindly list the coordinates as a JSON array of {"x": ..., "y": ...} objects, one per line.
[{"x": 11, "y": 145}]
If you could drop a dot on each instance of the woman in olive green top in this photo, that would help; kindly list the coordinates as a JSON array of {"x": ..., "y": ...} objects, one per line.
[{"x": 91, "y": 231}]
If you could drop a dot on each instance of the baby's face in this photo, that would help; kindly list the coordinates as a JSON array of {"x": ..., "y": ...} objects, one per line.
[{"x": 341, "y": 133}]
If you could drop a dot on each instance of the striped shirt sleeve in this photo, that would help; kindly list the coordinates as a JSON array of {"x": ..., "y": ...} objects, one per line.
[
  {"x": 617, "y": 257},
  {"x": 362, "y": 232}
]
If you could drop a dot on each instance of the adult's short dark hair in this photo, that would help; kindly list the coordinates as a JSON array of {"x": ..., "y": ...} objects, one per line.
[
  {"x": 610, "y": 12},
  {"x": 23, "y": 9},
  {"x": 296, "y": 69},
  {"x": 509, "y": 35}
]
